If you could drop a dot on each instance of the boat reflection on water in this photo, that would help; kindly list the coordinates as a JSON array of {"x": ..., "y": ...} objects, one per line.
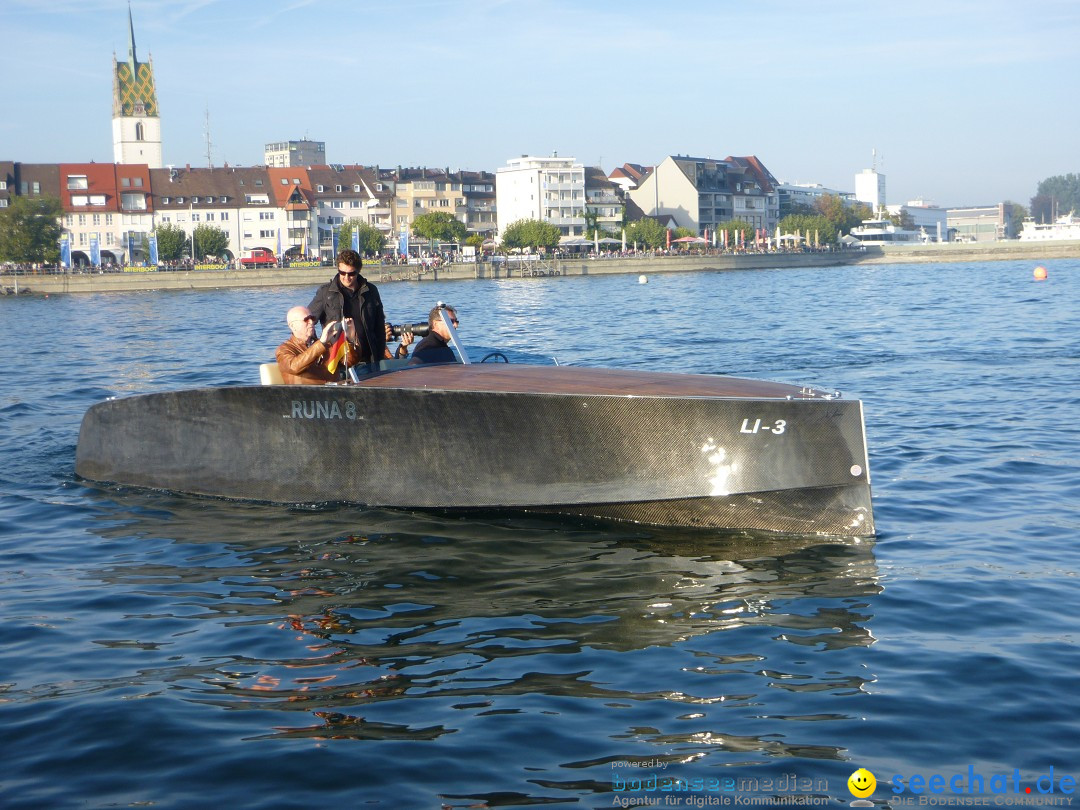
[{"x": 328, "y": 614}]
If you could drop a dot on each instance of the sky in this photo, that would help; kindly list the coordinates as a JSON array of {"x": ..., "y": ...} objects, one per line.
[{"x": 956, "y": 102}]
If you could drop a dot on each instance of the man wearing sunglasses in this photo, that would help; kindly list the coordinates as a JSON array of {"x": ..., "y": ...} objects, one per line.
[
  {"x": 348, "y": 294},
  {"x": 435, "y": 347},
  {"x": 302, "y": 359}
]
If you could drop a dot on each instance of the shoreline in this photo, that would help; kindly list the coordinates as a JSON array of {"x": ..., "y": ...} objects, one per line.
[{"x": 50, "y": 284}]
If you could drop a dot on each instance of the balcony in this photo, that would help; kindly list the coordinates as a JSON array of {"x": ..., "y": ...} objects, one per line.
[{"x": 566, "y": 221}]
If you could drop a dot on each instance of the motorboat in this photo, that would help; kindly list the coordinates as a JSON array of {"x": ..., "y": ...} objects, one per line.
[
  {"x": 882, "y": 231},
  {"x": 655, "y": 448}
]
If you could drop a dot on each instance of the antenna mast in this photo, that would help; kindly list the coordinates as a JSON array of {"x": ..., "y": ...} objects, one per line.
[{"x": 209, "y": 160}]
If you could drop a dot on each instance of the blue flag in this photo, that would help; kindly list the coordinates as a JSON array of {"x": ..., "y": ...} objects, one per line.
[
  {"x": 153, "y": 249},
  {"x": 95, "y": 250},
  {"x": 333, "y": 242},
  {"x": 403, "y": 241},
  {"x": 131, "y": 248},
  {"x": 356, "y": 238},
  {"x": 65, "y": 250}
]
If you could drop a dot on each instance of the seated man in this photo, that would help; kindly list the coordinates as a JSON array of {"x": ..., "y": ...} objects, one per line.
[
  {"x": 303, "y": 360},
  {"x": 434, "y": 348}
]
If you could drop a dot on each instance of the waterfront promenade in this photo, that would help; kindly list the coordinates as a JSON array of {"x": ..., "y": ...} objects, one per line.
[{"x": 53, "y": 283}]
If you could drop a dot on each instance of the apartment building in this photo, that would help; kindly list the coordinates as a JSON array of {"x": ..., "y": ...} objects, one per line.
[
  {"x": 551, "y": 189},
  {"x": 468, "y": 196},
  {"x": 603, "y": 201},
  {"x": 238, "y": 200},
  {"x": 104, "y": 206},
  {"x": 701, "y": 193},
  {"x": 348, "y": 194}
]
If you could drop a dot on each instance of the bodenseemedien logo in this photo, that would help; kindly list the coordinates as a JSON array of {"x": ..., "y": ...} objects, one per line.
[{"x": 861, "y": 784}]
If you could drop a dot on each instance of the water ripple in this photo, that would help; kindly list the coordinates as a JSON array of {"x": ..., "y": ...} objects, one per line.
[{"x": 274, "y": 657}]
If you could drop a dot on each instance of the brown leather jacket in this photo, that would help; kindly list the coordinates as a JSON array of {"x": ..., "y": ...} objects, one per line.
[{"x": 306, "y": 365}]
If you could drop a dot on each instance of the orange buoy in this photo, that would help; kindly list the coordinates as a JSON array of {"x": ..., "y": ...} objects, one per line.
[{"x": 1040, "y": 273}]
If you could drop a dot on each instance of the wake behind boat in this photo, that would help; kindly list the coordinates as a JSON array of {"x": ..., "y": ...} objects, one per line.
[{"x": 649, "y": 447}]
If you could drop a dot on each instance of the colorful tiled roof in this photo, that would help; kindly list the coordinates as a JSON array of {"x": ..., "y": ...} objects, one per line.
[
  {"x": 134, "y": 93},
  {"x": 133, "y": 90}
]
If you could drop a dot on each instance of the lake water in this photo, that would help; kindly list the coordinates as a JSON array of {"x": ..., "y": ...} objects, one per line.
[{"x": 173, "y": 652}]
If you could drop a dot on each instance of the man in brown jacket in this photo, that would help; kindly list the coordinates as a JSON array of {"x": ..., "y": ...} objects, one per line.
[{"x": 303, "y": 359}]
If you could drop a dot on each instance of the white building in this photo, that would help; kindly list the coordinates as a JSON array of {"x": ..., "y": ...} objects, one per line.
[
  {"x": 870, "y": 188},
  {"x": 807, "y": 194},
  {"x": 925, "y": 216},
  {"x": 285, "y": 154},
  {"x": 551, "y": 189}
]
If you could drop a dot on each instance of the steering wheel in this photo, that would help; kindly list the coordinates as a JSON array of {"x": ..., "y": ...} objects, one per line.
[{"x": 487, "y": 357}]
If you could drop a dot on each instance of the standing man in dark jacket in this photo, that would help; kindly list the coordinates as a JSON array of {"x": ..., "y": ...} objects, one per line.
[{"x": 350, "y": 295}]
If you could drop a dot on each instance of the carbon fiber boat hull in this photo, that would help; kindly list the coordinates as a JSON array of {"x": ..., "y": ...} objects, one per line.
[{"x": 661, "y": 449}]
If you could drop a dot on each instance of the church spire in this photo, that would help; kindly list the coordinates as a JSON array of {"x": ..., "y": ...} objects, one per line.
[
  {"x": 136, "y": 122},
  {"x": 131, "y": 40}
]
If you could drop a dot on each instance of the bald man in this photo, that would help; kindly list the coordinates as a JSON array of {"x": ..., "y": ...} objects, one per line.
[{"x": 302, "y": 358}]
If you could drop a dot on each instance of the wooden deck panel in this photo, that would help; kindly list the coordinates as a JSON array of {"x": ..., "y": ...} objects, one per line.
[{"x": 501, "y": 377}]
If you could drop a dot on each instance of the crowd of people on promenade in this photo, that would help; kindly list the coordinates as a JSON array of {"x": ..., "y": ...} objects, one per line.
[{"x": 424, "y": 261}]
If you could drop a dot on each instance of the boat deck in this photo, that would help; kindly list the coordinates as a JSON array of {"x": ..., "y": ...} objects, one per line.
[{"x": 508, "y": 378}]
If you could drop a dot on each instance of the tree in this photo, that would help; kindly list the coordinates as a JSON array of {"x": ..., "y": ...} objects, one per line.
[
  {"x": 370, "y": 238},
  {"x": 171, "y": 242},
  {"x": 531, "y": 233},
  {"x": 902, "y": 220},
  {"x": 209, "y": 241},
  {"x": 592, "y": 219},
  {"x": 30, "y": 230},
  {"x": 840, "y": 214},
  {"x": 682, "y": 232},
  {"x": 1055, "y": 197},
  {"x": 1015, "y": 214},
  {"x": 788, "y": 207},
  {"x": 808, "y": 225},
  {"x": 646, "y": 231},
  {"x": 439, "y": 226}
]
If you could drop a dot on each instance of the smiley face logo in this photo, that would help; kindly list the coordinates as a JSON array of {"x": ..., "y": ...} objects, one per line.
[{"x": 861, "y": 783}]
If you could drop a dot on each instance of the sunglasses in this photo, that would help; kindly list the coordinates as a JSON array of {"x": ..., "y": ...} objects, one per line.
[
  {"x": 311, "y": 319},
  {"x": 348, "y": 275}
]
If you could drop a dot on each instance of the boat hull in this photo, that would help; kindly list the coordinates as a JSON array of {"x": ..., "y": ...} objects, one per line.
[{"x": 763, "y": 463}]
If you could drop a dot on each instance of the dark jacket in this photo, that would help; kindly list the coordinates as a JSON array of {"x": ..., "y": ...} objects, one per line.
[
  {"x": 432, "y": 349},
  {"x": 364, "y": 306}
]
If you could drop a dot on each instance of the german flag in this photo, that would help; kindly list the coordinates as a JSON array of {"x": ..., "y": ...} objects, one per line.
[{"x": 336, "y": 354}]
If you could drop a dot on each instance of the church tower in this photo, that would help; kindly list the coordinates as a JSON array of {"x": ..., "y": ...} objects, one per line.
[{"x": 136, "y": 125}]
